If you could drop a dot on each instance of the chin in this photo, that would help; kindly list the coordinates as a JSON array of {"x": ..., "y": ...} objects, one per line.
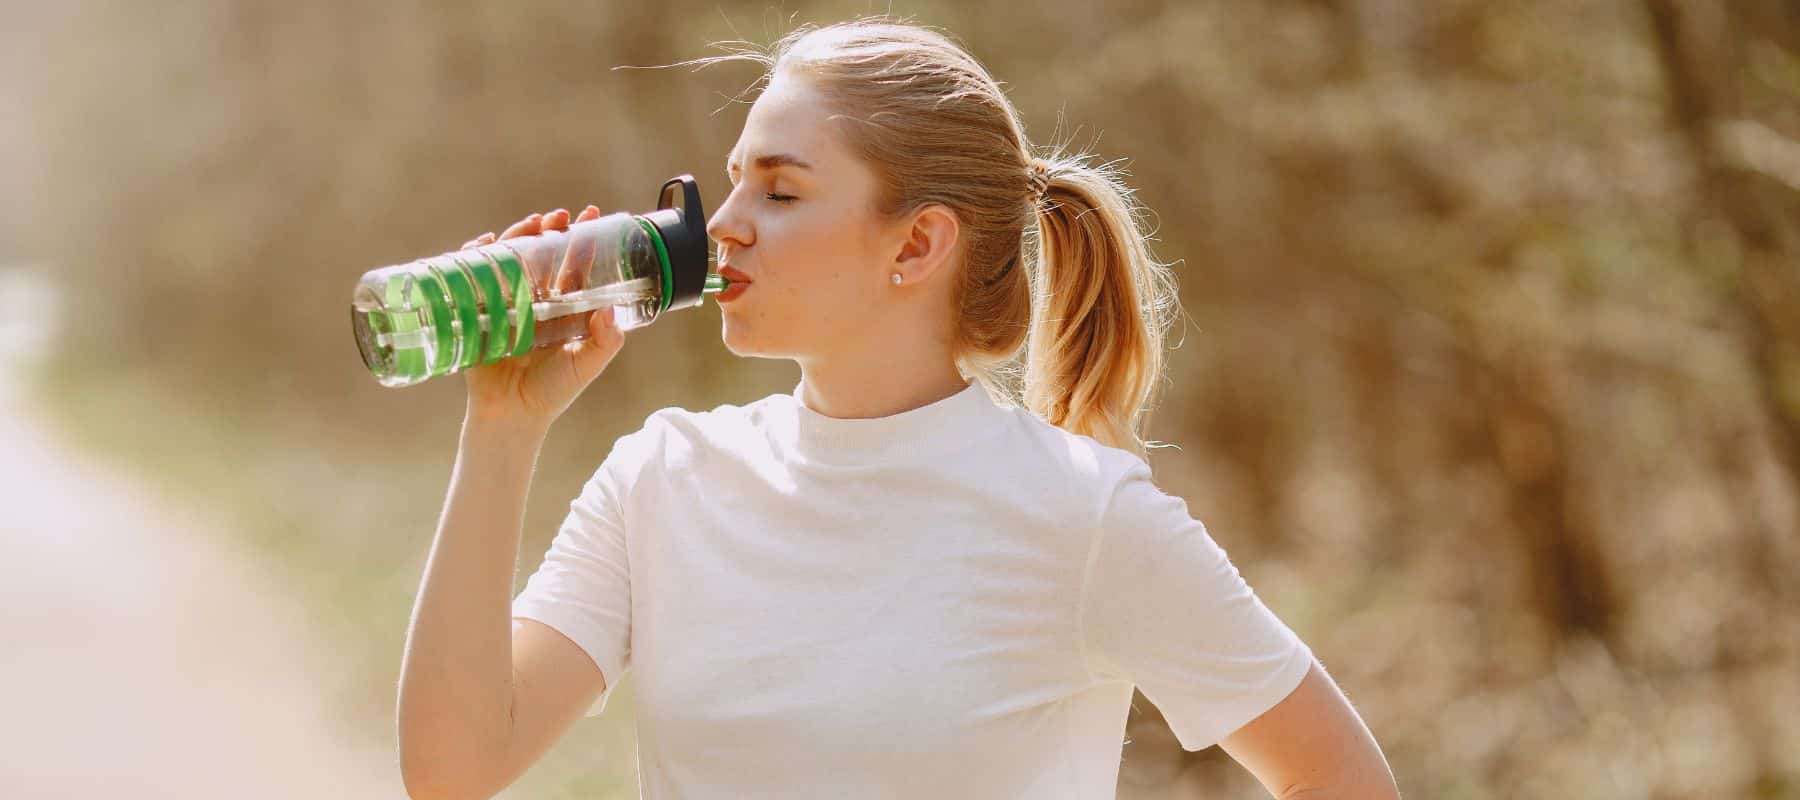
[
  {"x": 735, "y": 339},
  {"x": 744, "y": 341}
]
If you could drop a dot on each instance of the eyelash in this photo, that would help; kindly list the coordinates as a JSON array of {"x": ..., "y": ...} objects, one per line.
[{"x": 773, "y": 197}]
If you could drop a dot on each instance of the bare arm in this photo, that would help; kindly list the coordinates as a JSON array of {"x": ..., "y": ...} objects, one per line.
[
  {"x": 1313, "y": 745},
  {"x": 483, "y": 696}
]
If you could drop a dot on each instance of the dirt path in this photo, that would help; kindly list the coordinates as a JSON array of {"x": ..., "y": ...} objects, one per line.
[{"x": 139, "y": 656}]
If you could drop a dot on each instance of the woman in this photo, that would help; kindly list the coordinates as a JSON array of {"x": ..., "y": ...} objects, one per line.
[{"x": 886, "y": 583}]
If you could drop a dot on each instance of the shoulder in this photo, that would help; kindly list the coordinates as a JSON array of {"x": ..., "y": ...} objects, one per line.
[{"x": 1088, "y": 470}]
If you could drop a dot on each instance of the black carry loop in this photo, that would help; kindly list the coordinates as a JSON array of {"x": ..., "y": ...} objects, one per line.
[{"x": 683, "y": 231}]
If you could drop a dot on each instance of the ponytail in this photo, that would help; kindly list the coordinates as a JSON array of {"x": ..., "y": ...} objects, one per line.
[{"x": 1103, "y": 306}]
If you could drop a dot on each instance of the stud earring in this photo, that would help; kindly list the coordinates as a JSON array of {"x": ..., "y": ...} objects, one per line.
[{"x": 896, "y": 279}]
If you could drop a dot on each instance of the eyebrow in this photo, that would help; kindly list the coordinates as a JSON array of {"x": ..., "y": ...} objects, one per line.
[{"x": 771, "y": 161}]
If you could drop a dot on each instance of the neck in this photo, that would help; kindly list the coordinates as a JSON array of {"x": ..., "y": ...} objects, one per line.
[{"x": 868, "y": 387}]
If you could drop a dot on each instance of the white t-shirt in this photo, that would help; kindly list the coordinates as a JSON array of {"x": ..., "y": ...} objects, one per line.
[{"x": 953, "y": 601}]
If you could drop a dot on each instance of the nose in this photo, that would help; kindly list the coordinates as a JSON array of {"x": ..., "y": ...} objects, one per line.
[{"x": 726, "y": 227}]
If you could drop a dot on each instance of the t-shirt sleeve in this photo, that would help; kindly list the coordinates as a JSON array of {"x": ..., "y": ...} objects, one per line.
[
  {"x": 583, "y": 587},
  {"x": 1164, "y": 608}
]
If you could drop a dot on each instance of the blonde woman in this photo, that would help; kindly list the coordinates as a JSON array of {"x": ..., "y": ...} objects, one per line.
[{"x": 933, "y": 570}]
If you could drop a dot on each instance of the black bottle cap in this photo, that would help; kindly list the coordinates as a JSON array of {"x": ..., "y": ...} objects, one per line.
[{"x": 683, "y": 230}]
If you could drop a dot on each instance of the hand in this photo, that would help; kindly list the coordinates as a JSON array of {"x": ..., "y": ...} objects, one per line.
[{"x": 535, "y": 388}]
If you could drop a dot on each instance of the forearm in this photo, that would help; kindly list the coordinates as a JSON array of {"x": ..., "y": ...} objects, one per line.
[
  {"x": 1313, "y": 745},
  {"x": 456, "y": 691}
]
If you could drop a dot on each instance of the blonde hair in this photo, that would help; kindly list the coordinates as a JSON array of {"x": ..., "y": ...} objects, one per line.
[{"x": 1091, "y": 306}]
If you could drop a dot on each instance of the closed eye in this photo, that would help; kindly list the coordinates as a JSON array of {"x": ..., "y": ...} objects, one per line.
[{"x": 779, "y": 198}]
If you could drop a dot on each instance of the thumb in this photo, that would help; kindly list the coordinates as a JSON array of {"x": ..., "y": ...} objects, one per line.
[{"x": 603, "y": 342}]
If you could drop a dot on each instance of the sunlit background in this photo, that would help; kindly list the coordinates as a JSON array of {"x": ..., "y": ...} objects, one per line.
[{"x": 1489, "y": 378}]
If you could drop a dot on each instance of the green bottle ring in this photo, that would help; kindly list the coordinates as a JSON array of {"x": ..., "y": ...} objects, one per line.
[
  {"x": 525, "y": 326},
  {"x": 456, "y": 278},
  {"x": 662, "y": 255},
  {"x": 408, "y": 361},
  {"x": 481, "y": 273},
  {"x": 431, "y": 290},
  {"x": 495, "y": 341}
]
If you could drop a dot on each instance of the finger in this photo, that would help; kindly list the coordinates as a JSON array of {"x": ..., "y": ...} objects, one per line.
[
  {"x": 529, "y": 226},
  {"x": 556, "y": 220},
  {"x": 529, "y": 280},
  {"x": 578, "y": 259},
  {"x": 588, "y": 213},
  {"x": 603, "y": 343}
]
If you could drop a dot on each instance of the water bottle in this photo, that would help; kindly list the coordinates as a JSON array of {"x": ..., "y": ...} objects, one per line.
[{"x": 453, "y": 311}]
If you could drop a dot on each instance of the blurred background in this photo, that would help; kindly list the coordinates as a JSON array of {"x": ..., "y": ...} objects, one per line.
[{"x": 1489, "y": 378}]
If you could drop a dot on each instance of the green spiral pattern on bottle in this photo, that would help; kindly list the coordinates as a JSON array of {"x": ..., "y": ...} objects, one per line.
[
  {"x": 453, "y": 275},
  {"x": 430, "y": 291},
  {"x": 494, "y": 304},
  {"x": 525, "y": 327},
  {"x": 403, "y": 317},
  {"x": 476, "y": 278}
]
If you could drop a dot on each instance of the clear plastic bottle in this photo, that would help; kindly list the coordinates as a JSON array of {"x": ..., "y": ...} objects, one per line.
[{"x": 449, "y": 312}]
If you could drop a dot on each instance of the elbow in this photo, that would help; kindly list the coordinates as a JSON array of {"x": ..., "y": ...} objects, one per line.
[
  {"x": 423, "y": 785},
  {"x": 1315, "y": 793},
  {"x": 444, "y": 758},
  {"x": 428, "y": 776},
  {"x": 418, "y": 788},
  {"x": 1376, "y": 787}
]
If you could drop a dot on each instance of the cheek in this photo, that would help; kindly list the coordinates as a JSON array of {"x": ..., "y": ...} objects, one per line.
[
  {"x": 840, "y": 268},
  {"x": 818, "y": 285},
  {"x": 824, "y": 256}
]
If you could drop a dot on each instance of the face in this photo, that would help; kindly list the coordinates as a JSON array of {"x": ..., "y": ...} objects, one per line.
[{"x": 800, "y": 222}]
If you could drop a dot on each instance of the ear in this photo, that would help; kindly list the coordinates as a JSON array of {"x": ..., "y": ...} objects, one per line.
[{"x": 927, "y": 243}]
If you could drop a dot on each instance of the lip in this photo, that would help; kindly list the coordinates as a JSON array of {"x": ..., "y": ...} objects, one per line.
[{"x": 740, "y": 283}]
